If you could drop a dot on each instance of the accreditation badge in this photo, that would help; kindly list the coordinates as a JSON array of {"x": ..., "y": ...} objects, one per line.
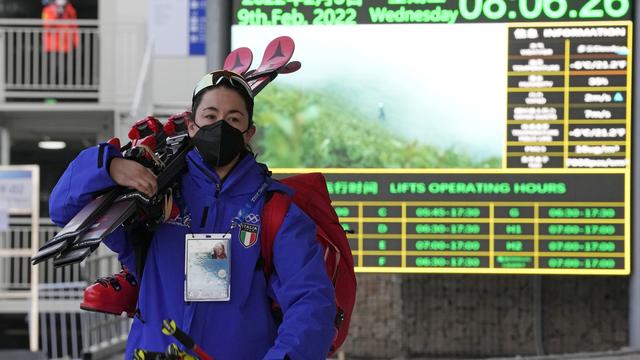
[{"x": 207, "y": 267}]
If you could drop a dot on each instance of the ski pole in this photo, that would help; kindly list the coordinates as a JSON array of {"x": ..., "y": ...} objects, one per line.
[
  {"x": 141, "y": 354},
  {"x": 169, "y": 328},
  {"x": 172, "y": 353}
]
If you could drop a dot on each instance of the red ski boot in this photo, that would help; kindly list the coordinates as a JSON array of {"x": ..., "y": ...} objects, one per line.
[{"x": 112, "y": 295}]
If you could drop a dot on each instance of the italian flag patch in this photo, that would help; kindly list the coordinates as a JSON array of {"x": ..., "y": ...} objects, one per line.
[{"x": 248, "y": 234}]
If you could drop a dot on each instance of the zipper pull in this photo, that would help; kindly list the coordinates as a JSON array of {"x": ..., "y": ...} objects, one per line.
[{"x": 218, "y": 186}]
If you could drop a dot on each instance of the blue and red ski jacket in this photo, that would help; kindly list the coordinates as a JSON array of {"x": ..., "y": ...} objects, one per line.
[{"x": 244, "y": 327}]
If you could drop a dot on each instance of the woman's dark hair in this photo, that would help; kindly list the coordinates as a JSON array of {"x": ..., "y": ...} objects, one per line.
[{"x": 225, "y": 84}]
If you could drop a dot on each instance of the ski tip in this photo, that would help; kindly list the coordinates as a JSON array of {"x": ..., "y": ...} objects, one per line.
[
  {"x": 285, "y": 39},
  {"x": 239, "y": 60},
  {"x": 286, "y": 43},
  {"x": 293, "y": 66},
  {"x": 280, "y": 47}
]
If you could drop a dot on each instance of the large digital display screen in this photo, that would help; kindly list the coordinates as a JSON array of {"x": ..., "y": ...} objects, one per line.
[
  {"x": 482, "y": 221},
  {"x": 469, "y": 136}
]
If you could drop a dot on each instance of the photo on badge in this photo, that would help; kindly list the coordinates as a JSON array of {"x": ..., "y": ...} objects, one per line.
[{"x": 207, "y": 265}]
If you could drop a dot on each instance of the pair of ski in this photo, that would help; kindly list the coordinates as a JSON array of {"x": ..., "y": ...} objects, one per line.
[{"x": 118, "y": 206}]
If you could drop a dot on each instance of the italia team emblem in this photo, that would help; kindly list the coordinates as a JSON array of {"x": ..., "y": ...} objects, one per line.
[{"x": 249, "y": 230}]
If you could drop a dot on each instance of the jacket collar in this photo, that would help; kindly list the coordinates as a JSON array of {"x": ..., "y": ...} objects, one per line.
[{"x": 243, "y": 178}]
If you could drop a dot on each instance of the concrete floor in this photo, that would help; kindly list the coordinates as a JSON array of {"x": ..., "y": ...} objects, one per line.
[{"x": 623, "y": 354}]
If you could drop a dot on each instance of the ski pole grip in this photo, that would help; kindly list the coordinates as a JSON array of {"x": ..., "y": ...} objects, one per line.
[
  {"x": 169, "y": 328},
  {"x": 141, "y": 354}
]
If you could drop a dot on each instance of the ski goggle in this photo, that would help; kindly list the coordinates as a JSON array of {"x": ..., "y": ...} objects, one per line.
[{"x": 216, "y": 78}]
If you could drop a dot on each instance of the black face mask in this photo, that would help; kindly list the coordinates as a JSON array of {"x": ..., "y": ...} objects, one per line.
[{"x": 218, "y": 143}]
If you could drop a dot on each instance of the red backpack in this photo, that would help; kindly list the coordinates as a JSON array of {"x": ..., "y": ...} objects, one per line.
[{"x": 311, "y": 196}]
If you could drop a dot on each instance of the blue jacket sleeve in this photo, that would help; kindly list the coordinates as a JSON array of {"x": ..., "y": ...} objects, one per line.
[
  {"x": 303, "y": 290},
  {"x": 87, "y": 174}
]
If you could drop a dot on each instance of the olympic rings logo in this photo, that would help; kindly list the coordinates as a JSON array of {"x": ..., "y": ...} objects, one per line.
[{"x": 252, "y": 218}]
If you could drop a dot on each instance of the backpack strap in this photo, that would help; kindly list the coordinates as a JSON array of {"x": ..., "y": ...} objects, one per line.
[{"x": 273, "y": 213}]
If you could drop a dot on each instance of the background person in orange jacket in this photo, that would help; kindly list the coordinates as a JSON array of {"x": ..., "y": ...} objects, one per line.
[{"x": 59, "y": 39}]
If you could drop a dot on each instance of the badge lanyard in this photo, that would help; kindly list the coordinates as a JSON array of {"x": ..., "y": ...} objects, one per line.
[
  {"x": 239, "y": 217},
  {"x": 248, "y": 206}
]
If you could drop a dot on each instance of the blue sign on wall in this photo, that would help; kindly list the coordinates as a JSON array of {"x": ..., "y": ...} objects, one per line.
[
  {"x": 16, "y": 190},
  {"x": 197, "y": 27}
]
